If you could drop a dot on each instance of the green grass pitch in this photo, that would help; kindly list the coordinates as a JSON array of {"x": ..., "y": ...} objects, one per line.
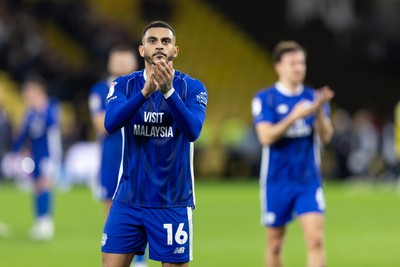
[{"x": 362, "y": 228}]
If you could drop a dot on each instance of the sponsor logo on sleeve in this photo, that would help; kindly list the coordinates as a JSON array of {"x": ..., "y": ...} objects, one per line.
[
  {"x": 256, "y": 107},
  {"x": 111, "y": 90},
  {"x": 202, "y": 98}
]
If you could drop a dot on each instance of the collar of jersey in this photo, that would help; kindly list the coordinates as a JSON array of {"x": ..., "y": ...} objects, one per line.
[
  {"x": 145, "y": 74},
  {"x": 287, "y": 92}
]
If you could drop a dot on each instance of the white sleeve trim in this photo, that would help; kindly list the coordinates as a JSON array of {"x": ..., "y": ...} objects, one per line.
[{"x": 169, "y": 93}]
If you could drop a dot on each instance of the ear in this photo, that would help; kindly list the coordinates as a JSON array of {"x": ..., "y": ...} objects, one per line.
[
  {"x": 141, "y": 50},
  {"x": 277, "y": 67},
  {"x": 176, "y": 51}
]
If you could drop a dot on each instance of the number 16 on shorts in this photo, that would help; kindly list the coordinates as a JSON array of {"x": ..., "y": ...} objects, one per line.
[
  {"x": 181, "y": 236},
  {"x": 177, "y": 234}
]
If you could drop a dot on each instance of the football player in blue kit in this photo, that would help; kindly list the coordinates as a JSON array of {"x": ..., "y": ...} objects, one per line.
[
  {"x": 290, "y": 120},
  {"x": 161, "y": 111},
  {"x": 41, "y": 127},
  {"x": 121, "y": 61}
]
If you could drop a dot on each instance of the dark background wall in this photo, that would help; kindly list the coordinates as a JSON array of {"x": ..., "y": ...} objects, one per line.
[{"x": 353, "y": 46}]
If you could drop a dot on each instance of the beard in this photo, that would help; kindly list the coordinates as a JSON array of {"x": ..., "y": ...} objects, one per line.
[{"x": 149, "y": 59}]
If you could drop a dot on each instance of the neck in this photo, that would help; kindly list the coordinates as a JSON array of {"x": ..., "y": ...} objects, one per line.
[{"x": 290, "y": 85}]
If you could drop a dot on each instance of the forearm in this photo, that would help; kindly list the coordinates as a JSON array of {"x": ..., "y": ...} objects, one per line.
[
  {"x": 269, "y": 133},
  {"x": 324, "y": 127},
  {"x": 98, "y": 123},
  {"x": 118, "y": 113},
  {"x": 189, "y": 121}
]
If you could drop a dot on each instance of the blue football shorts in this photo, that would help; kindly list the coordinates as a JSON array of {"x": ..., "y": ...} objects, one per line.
[
  {"x": 45, "y": 167},
  {"x": 281, "y": 202},
  {"x": 168, "y": 231}
]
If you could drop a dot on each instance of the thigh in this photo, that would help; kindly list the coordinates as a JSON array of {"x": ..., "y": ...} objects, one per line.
[
  {"x": 310, "y": 199},
  {"x": 165, "y": 264},
  {"x": 313, "y": 226},
  {"x": 117, "y": 260},
  {"x": 124, "y": 232},
  {"x": 170, "y": 234}
]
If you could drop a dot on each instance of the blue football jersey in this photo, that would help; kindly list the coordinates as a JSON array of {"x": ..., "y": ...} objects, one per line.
[
  {"x": 295, "y": 157},
  {"x": 158, "y": 151},
  {"x": 111, "y": 144},
  {"x": 42, "y": 130},
  {"x": 97, "y": 97}
]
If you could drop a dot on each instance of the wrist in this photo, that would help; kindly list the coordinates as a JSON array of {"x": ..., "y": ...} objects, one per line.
[
  {"x": 145, "y": 93},
  {"x": 168, "y": 93}
]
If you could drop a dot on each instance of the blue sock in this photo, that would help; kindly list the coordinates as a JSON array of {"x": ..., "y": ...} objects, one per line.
[{"x": 42, "y": 203}]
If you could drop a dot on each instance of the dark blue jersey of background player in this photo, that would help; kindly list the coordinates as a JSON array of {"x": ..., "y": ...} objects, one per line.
[
  {"x": 121, "y": 60},
  {"x": 41, "y": 128},
  {"x": 300, "y": 141},
  {"x": 111, "y": 144}
]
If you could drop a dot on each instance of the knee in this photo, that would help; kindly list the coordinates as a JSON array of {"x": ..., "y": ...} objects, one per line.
[
  {"x": 316, "y": 242},
  {"x": 275, "y": 247}
]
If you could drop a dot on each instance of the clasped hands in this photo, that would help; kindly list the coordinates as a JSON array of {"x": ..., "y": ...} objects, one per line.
[
  {"x": 305, "y": 107},
  {"x": 160, "y": 78}
]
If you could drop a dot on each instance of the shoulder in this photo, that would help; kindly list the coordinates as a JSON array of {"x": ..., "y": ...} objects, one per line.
[
  {"x": 134, "y": 75},
  {"x": 265, "y": 92},
  {"x": 54, "y": 105},
  {"x": 190, "y": 81},
  {"x": 124, "y": 79},
  {"x": 98, "y": 87},
  {"x": 54, "y": 102}
]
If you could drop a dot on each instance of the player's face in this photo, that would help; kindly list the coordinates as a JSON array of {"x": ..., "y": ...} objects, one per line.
[
  {"x": 158, "y": 44},
  {"x": 34, "y": 95},
  {"x": 292, "y": 67},
  {"x": 121, "y": 63}
]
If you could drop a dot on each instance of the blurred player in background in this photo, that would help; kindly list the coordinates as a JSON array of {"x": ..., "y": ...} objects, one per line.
[
  {"x": 5, "y": 140},
  {"x": 290, "y": 119},
  {"x": 161, "y": 111},
  {"x": 397, "y": 129},
  {"x": 41, "y": 127},
  {"x": 121, "y": 61}
]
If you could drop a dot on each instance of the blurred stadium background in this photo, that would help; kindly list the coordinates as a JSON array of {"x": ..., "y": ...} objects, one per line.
[{"x": 354, "y": 46}]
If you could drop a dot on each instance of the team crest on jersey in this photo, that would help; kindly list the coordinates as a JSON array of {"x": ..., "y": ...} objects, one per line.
[
  {"x": 111, "y": 90},
  {"x": 269, "y": 218},
  {"x": 282, "y": 109}
]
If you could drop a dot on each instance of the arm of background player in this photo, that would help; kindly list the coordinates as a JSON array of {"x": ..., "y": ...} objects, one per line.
[
  {"x": 119, "y": 110},
  {"x": 98, "y": 122},
  {"x": 97, "y": 112},
  {"x": 323, "y": 123},
  {"x": 323, "y": 126},
  {"x": 19, "y": 141},
  {"x": 189, "y": 119},
  {"x": 268, "y": 133}
]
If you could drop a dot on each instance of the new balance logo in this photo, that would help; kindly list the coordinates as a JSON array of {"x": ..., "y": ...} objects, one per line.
[{"x": 180, "y": 250}]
